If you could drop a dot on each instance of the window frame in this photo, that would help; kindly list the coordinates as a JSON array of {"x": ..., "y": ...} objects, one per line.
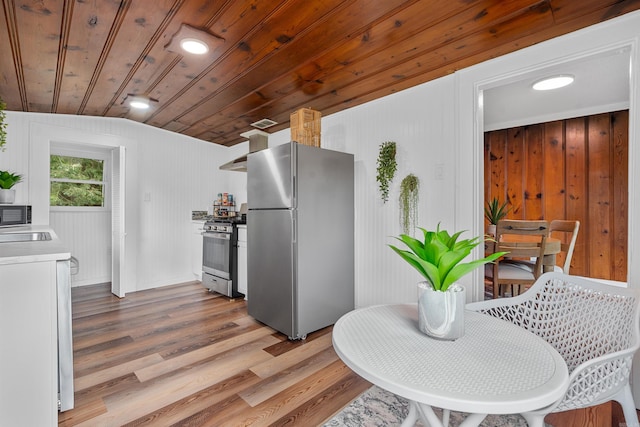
[{"x": 70, "y": 150}]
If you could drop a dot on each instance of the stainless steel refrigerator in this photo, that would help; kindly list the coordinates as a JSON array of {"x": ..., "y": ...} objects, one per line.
[{"x": 300, "y": 237}]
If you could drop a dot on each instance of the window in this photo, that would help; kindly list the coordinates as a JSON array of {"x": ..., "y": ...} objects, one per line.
[{"x": 78, "y": 179}]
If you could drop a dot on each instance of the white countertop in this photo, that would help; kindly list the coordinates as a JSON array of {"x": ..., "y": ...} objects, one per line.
[{"x": 38, "y": 251}]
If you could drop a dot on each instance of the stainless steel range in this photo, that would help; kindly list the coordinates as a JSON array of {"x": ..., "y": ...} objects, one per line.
[{"x": 220, "y": 256}]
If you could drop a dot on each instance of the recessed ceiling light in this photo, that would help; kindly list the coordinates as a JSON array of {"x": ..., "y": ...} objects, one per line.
[
  {"x": 194, "y": 46},
  {"x": 139, "y": 102},
  {"x": 193, "y": 40},
  {"x": 553, "y": 82}
]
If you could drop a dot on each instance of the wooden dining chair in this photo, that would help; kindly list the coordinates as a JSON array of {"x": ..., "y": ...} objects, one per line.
[
  {"x": 569, "y": 233},
  {"x": 523, "y": 240}
]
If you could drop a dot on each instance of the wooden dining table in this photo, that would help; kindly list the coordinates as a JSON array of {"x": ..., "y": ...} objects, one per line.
[{"x": 551, "y": 248}]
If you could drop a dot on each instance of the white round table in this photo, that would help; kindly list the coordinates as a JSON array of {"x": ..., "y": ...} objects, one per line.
[{"x": 495, "y": 368}]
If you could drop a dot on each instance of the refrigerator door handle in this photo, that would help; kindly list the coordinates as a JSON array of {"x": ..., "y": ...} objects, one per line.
[
  {"x": 294, "y": 234},
  {"x": 294, "y": 193}
]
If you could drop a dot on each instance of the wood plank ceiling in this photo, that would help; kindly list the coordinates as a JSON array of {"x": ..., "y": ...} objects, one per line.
[{"x": 269, "y": 58}]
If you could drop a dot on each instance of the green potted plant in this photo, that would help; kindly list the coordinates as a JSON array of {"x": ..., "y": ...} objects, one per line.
[
  {"x": 387, "y": 167},
  {"x": 7, "y": 181},
  {"x": 494, "y": 212},
  {"x": 438, "y": 258}
]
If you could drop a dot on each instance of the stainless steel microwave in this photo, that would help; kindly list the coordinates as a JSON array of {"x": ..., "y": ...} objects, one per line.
[{"x": 14, "y": 215}]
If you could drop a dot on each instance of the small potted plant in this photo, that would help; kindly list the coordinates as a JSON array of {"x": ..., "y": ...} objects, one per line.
[
  {"x": 494, "y": 212},
  {"x": 439, "y": 260},
  {"x": 7, "y": 181}
]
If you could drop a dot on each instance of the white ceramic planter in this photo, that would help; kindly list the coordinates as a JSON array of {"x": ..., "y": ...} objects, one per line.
[
  {"x": 7, "y": 197},
  {"x": 441, "y": 314}
]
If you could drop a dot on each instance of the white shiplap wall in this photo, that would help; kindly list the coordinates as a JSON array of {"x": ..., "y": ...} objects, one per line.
[
  {"x": 421, "y": 122},
  {"x": 179, "y": 174},
  {"x": 88, "y": 235}
]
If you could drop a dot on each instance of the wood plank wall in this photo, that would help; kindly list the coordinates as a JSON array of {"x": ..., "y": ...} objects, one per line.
[{"x": 568, "y": 169}]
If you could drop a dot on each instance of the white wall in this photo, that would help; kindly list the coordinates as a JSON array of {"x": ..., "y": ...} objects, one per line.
[
  {"x": 421, "y": 122},
  {"x": 88, "y": 237},
  {"x": 168, "y": 176}
]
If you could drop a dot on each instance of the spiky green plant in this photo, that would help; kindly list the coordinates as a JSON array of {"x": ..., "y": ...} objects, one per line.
[
  {"x": 494, "y": 211},
  {"x": 8, "y": 179},
  {"x": 439, "y": 257}
]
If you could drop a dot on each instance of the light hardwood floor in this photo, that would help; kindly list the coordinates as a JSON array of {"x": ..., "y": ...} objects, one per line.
[{"x": 179, "y": 355}]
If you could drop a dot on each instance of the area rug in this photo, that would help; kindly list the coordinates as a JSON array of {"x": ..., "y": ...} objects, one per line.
[{"x": 378, "y": 407}]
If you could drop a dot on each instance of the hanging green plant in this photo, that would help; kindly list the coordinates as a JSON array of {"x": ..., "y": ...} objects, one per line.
[
  {"x": 386, "y": 167},
  {"x": 3, "y": 125},
  {"x": 409, "y": 197}
]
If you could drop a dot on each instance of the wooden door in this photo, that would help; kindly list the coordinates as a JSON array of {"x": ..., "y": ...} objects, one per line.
[{"x": 574, "y": 169}]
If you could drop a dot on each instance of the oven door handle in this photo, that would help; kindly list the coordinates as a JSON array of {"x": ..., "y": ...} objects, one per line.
[{"x": 220, "y": 236}]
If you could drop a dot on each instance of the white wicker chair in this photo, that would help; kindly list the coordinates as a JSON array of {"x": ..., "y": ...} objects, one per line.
[{"x": 594, "y": 326}]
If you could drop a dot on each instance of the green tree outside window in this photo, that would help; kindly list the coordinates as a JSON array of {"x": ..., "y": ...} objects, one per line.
[{"x": 76, "y": 181}]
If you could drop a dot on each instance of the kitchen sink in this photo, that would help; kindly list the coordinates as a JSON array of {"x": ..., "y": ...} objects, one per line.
[{"x": 25, "y": 236}]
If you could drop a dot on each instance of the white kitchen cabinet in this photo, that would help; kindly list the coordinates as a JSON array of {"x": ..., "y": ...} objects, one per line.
[
  {"x": 242, "y": 260},
  {"x": 29, "y": 329},
  {"x": 196, "y": 248},
  {"x": 28, "y": 332}
]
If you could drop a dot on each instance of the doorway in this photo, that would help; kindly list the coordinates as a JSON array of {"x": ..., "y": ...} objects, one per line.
[
  {"x": 475, "y": 83},
  {"x": 602, "y": 85},
  {"x": 42, "y": 137},
  {"x": 80, "y": 207},
  {"x": 575, "y": 169}
]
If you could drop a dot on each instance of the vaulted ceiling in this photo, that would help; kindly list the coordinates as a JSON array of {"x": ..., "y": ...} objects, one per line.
[{"x": 268, "y": 58}]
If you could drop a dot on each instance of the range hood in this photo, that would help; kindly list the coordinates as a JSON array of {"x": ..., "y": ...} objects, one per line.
[{"x": 258, "y": 140}]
